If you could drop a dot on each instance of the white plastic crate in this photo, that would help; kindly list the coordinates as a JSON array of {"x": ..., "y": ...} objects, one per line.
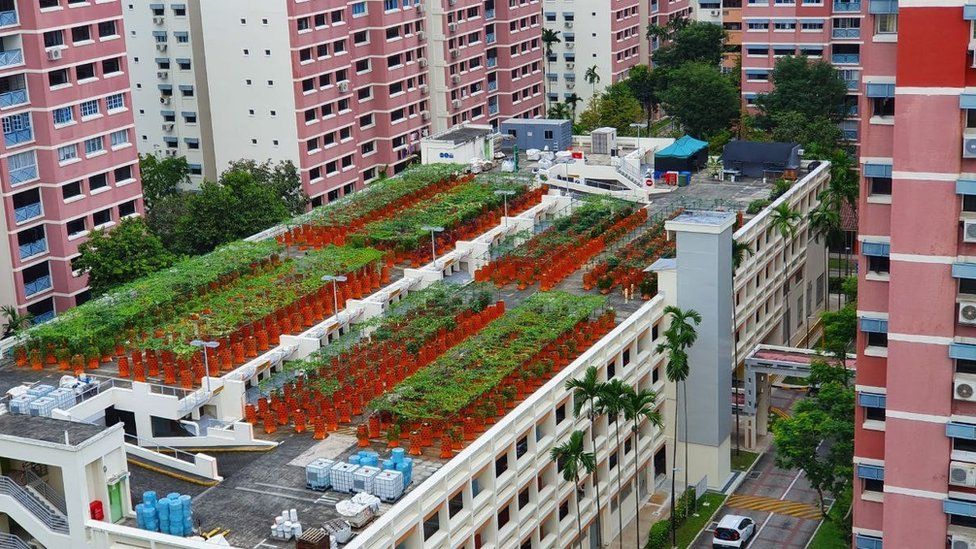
[
  {"x": 318, "y": 474},
  {"x": 40, "y": 390},
  {"x": 65, "y": 398},
  {"x": 21, "y": 404},
  {"x": 362, "y": 479},
  {"x": 388, "y": 485},
  {"x": 341, "y": 477},
  {"x": 42, "y": 406}
]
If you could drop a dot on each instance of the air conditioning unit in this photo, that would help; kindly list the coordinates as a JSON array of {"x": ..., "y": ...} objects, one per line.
[
  {"x": 161, "y": 47},
  {"x": 455, "y": 54},
  {"x": 570, "y": 45},
  {"x": 452, "y": 27},
  {"x": 457, "y": 105},
  {"x": 451, "y": 2},
  {"x": 425, "y": 116},
  {"x": 570, "y": 65},
  {"x": 162, "y": 75},
  {"x": 715, "y": 13},
  {"x": 568, "y": 24},
  {"x": 570, "y": 85},
  {"x": 455, "y": 80},
  {"x": 968, "y": 147},
  {"x": 424, "y": 132},
  {"x": 967, "y": 312},
  {"x": 159, "y": 20},
  {"x": 421, "y": 35},
  {"x": 171, "y": 152},
  {"x": 963, "y": 542},
  {"x": 422, "y": 62},
  {"x": 969, "y": 231},
  {"x": 54, "y": 55},
  {"x": 343, "y": 86},
  {"x": 964, "y": 387},
  {"x": 164, "y": 100},
  {"x": 424, "y": 89},
  {"x": 962, "y": 474},
  {"x": 167, "y": 126}
]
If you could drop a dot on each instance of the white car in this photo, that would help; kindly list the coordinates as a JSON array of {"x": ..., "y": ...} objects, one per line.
[{"x": 733, "y": 531}]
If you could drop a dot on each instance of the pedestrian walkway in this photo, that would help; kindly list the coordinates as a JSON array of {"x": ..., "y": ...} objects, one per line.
[{"x": 774, "y": 505}]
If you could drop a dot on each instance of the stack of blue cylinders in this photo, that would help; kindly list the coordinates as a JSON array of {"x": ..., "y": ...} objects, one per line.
[
  {"x": 389, "y": 465},
  {"x": 371, "y": 459},
  {"x": 140, "y": 516},
  {"x": 187, "y": 505},
  {"x": 150, "y": 517},
  {"x": 171, "y": 515},
  {"x": 354, "y": 459},
  {"x": 405, "y": 466}
]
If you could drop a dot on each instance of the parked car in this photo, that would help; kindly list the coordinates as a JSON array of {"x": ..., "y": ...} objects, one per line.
[{"x": 733, "y": 531}]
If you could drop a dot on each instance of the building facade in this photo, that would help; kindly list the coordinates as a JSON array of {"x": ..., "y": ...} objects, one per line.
[
  {"x": 343, "y": 90},
  {"x": 67, "y": 163},
  {"x": 916, "y": 420}
]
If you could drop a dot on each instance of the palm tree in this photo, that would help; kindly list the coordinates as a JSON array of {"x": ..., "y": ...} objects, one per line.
[
  {"x": 611, "y": 403},
  {"x": 572, "y": 100},
  {"x": 558, "y": 111},
  {"x": 678, "y": 337},
  {"x": 784, "y": 219},
  {"x": 825, "y": 224},
  {"x": 740, "y": 250},
  {"x": 638, "y": 406},
  {"x": 587, "y": 390},
  {"x": 592, "y": 76},
  {"x": 15, "y": 322},
  {"x": 572, "y": 457},
  {"x": 549, "y": 39}
]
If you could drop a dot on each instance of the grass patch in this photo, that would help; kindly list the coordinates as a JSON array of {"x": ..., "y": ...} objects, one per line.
[
  {"x": 708, "y": 504},
  {"x": 832, "y": 534},
  {"x": 743, "y": 460}
]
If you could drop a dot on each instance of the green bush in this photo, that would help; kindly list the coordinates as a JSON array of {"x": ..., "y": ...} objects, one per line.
[
  {"x": 660, "y": 534},
  {"x": 757, "y": 206}
]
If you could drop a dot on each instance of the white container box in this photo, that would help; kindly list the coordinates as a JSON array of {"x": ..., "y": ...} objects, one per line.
[
  {"x": 388, "y": 485},
  {"x": 42, "y": 406},
  {"x": 21, "y": 404},
  {"x": 341, "y": 477},
  {"x": 362, "y": 479}
]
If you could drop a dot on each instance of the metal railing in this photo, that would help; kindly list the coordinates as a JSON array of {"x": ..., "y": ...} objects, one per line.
[
  {"x": 45, "y": 490},
  {"x": 18, "y": 136},
  {"x": 13, "y": 97},
  {"x": 38, "y": 246},
  {"x": 8, "y": 18},
  {"x": 161, "y": 449},
  {"x": 845, "y": 33},
  {"x": 846, "y": 58},
  {"x": 29, "y": 211},
  {"x": 847, "y": 7},
  {"x": 11, "y": 57},
  {"x": 20, "y": 175},
  {"x": 50, "y": 517},
  {"x": 10, "y": 541},
  {"x": 38, "y": 285}
]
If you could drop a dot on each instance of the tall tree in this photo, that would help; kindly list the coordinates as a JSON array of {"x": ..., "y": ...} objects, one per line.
[
  {"x": 14, "y": 321},
  {"x": 815, "y": 134},
  {"x": 571, "y": 457},
  {"x": 611, "y": 403},
  {"x": 586, "y": 391},
  {"x": 592, "y": 77},
  {"x": 282, "y": 177},
  {"x": 784, "y": 219},
  {"x": 550, "y": 38},
  {"x": 126, "y": 252},
  {"x": 701, "y": 98},
  {"x": 573, "y": 101},
  {"x": 680, "y": 335},
  {"x": 640, "y": 406},
  {"x": 558, "y": 111},
  {"x": 812, "y": 88},
  {"x": 616, "y": 107},
  {"x": 696, "y": 42},
  {"x": 162, "y": 177},
  {"x": 740, "y": 251},
  {"x": 641, "y": 81}
]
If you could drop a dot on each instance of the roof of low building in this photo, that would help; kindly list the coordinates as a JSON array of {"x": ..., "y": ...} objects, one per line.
[
  {"x": 684, "y": 147},
  {"x": 758, "y": 151},
  {"x": 463, "y": 134},
  {"x": 45, "y": 429}
]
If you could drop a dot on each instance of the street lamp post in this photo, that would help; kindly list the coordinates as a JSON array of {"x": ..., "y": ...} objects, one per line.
[
  {"x": 335, "y": 280},
  {"x": 433, "y": 248},
  {"x": 204, "y": 345},
  {"x": 505, "y": 193}
]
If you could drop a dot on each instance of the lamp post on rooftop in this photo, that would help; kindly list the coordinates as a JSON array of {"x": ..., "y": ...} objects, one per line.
[
  {"x": 335, "y": 280},
  {"x": 505, "y": 193},
  {"x": 433, "y": 249},
  {"x": 204, "y": 345}
]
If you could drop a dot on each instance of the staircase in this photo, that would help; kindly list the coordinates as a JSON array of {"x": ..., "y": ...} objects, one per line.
[{"x": 35, "y": 504}]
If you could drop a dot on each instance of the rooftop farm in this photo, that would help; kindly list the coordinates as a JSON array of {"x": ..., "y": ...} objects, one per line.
[{"x": 246, "y": 294}]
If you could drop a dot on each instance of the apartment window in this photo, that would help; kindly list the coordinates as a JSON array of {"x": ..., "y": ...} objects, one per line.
[
  {"x": 501, "y": 464},
  {"x": 97, "y": 181},
  {"x": 521, "y": 447},
  {"x": 58, "y": 78},
  {"x": 183, "y": 64},
  {"x": 560, "y": 413},
  {"x": 336, "y": 17},
  {"x": 119, "y": 138},
  {"x": 106, "y": 29},
  {"x": 564, "y": 509},
  {"x": 455, "y": 504},
  {"x": 179, "y": 11},
  {"x": 364, "y": 94},
  {"x": 432, "y": 525},
  {"x": 110, "y": 66},
  {"x": 123, "y": 173},
  {"x": 127, "y": 208},
  {"x": 76, "y": 226},
  {"x": 182, "y": 37},
  {"x": 523, "y": 498},
  {"x": 360, "y": 38},
  {"x": 89, "y": 108},
  {"x": 362, "y": 65},
  {"x": 302, "y": 23},
  {"x": 47, "y": 4},
  {"x": 187, "y": 91},
  {"x": 85, "y": 72},
  {"x": 969, "y": 203},
  {"x": 53, "y": 39},
  {"x": 367, "y": 148},
  {"x": 67, "y": 153},
  {"x": 102, "y": 217},
  {"x": 63, "y": 115},
  {"x": 94, "y": 145},
  {"x": 70, "y": 190},
  {"x": 880, "y": 185},
  {"x": 877, "y": 339},
  {"x": 366, "y": 120},
  {"x": 886, "y": 23},
  {"x": 81, "y": 34},
  {"x": 504, "y": 515},
  {"x": 883, "y": 106}
]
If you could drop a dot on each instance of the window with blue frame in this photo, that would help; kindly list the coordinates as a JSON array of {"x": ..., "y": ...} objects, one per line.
[
  {"x": 390, "y": 5},
  {"x": 876, "y": 331},
  {"x": 359, "y": 8},
  {"x": 89, "y": 108},
  {"x": 94, "y": 145},
  {"x": 63, "y": 115},
  {"x": 114, "y": 102},
  {"x": 862, "y": 541},
  {"x": 873, "y": 404},
  {"x": 963, "y": 436},
  {"x": 182, "y": 37},
  {"x": 877, "y": 254},
  {"x": 872, "y": 477}
]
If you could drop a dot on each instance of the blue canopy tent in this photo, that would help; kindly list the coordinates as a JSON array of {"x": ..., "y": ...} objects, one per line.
[{"x": 687, "y": 154}]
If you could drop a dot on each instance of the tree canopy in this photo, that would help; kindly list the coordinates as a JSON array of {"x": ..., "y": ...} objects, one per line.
[
  {"x": 162, "y": 177},
  {"x": 126, "y": 252},
  {"x": 616, "y": 107},
  {"x": 696, "y": 42},
  {"x": 701, "y": 98},
  {"x": 813, "y": 89}
]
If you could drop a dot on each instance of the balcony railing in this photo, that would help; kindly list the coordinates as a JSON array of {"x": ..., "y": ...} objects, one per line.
[
  {"x": 492, "y": 62},
  {"x": 13, "y": 97},
  {"x": 851, "y": 111},
  {"x": 851, "y": 84},
  {"x": 29, "y": 211},
  {"x": 8, "y": 18},
  {"x": 19, "y": 175},
  {"x": 490, "y": 38},
  {"x": 492, "y": 109},
  {"x": 850, "y": 135},
  {"x": 43, "y": 317},
  {"x": 846, "y": 58},
  {"x": 847, "y": 7},
  {"x": 53, "y": 519},
  {"x": 845, "y": 33},
  {"x": 38, "y": 246},
  {"x": 37, "y": 285},
  {"x": 18, "y": 136},
  {"x": 493, "y": 85},
  {"x": 10, "y": 58},
  {"x": 489, "y": 14}
]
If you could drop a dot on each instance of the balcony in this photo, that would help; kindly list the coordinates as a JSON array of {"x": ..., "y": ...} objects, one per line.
[
  {"x": 9, "y": 58},
  {"x": 8, "y": 18},
  {"x": 13, "y": 98},
  {"x": 33, "y": 248},
  {"x": 37, "y": 285},
  {"x": 16, "y": 137},
  {"x": 846, "y": 58},
  {"x": 492, "y": 62},
  {"x": 492, "y": 85},
  {"x": 492, "y": 109},
  {"x": 489, "y": 14},
  {"x": 21, "y": 167},
  {"x": 845, "y": 33},
  {"x": 27, "y": 212},
  {"x": 847, "y": 7},
  {"x": 490, "y": 38}
]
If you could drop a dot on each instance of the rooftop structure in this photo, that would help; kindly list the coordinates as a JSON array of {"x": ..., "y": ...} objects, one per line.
[{"x": 483, "y": 452}]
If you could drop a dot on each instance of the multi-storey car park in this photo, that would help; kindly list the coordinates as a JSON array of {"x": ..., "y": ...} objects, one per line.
[
  {"x": 344, "y": 90},
  {"x": 67, "y": 161},
  {"x": 467, "y": 355}
]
